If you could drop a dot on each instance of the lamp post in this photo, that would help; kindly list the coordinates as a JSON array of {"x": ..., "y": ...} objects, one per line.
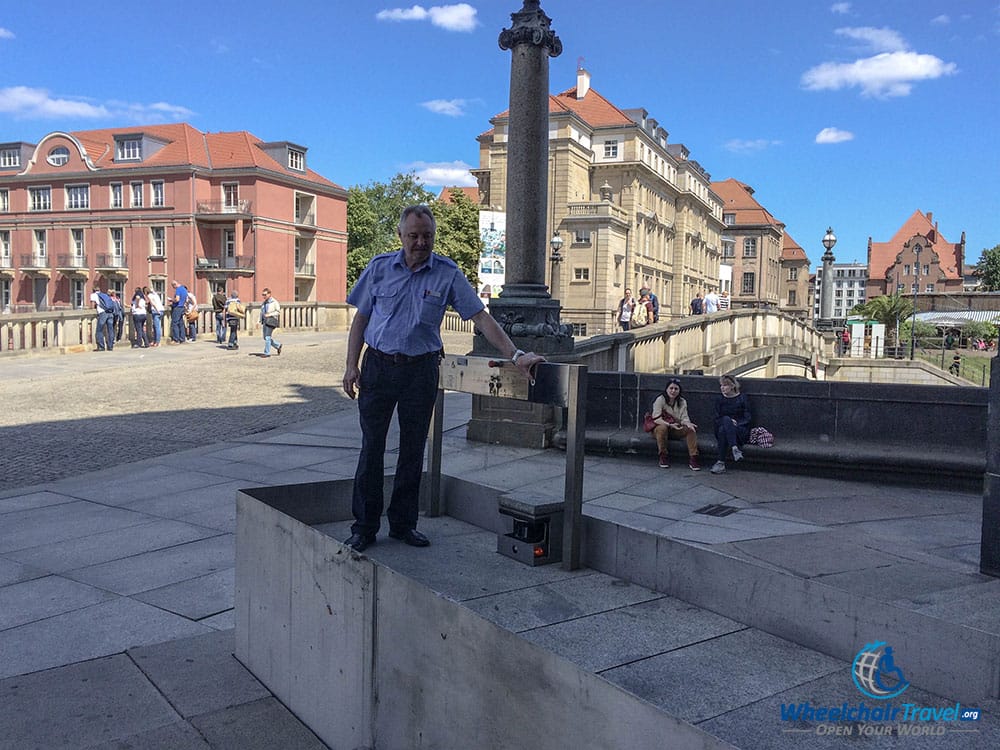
[
  {"x": 556, "y": 244},
  {"x": 826, "y": 288},
  {"x": 916, "y": 291}
]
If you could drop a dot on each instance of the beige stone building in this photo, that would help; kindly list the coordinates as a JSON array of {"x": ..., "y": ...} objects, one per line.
[
  {"x": 632, "y": 209},
  {"x": 794, "y": 296}
]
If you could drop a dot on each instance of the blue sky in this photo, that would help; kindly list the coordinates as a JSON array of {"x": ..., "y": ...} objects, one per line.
[{"x": 849, "y": 114}]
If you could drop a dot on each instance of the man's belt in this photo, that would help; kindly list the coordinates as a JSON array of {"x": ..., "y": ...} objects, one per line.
[{"x": 401, "y": 359}]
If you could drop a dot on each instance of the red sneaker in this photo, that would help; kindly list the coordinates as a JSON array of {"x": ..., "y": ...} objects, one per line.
[
  {"x": 664, "y": 461},
  {"x": 694, "y": 464}
]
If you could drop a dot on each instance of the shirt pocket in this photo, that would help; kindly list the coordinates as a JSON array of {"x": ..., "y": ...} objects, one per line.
[
  {"x": 432, "y": 311},
  {"x": 385, "y": 299}
]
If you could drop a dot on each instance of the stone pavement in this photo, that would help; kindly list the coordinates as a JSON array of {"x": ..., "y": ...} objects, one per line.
[{"x": 116, "y": 580}]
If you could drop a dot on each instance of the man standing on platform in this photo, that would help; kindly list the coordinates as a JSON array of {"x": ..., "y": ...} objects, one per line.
[{"x": 401, "y": 299}]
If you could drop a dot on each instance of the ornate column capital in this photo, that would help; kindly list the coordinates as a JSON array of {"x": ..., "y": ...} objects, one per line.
[{"x": 531, "y": 26}]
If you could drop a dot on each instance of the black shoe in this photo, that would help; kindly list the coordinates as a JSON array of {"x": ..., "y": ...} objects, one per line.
[
  {"x": 360, "y": 542},
  {"x": 412, "y": 537}
]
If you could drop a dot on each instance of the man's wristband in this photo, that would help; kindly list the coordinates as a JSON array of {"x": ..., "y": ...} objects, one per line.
[{"x": 517, "y": 354}]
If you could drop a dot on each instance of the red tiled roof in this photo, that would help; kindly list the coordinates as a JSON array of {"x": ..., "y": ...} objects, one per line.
[
  {"x": 472, "y": 193},
  {"x": 186, "y": 146},
  {"x": 882, "y": 255},
  {"x": 791, "y": 250},
  {"x": 593, "y": 109},
  {"x": 737, "y": 198}
]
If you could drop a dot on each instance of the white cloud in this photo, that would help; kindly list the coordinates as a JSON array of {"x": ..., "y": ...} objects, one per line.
[
  {"x": 882, "y": 76},
  {"x": 942, "y": 20},
  {"x": 443, "y": 174},
  {"x": 219, "y": 47},
  {"x": 458, "y": 17},
  {"x": 450, "y": 107},
  {"x": 6, "y": 33},
  {"x": 879, "y": 40},
  {"x": 749, "y": 146},
  {"x": 834, "y": 135},
  {"x": 24, "y": 102},
  {"x": 841, "y": 8}
]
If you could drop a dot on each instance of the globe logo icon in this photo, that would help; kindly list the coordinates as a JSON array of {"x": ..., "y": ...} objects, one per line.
[{"x": 875, "y": 674}]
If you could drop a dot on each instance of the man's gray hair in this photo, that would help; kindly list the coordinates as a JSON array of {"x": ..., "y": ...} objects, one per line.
[{"x": 421, "y": 209}]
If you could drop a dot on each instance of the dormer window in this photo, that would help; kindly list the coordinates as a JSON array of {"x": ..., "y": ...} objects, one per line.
[
  {"x": 10, "y": 157},
  {"x": 58, "y": 156},
  {"x": 128, "y": 149},
  {"x": 296, "y": 160}
]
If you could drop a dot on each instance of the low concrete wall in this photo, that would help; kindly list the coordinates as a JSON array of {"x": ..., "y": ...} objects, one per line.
[
  {"x": 934, "y": 435},
  {"x": 368, "y": 658}
]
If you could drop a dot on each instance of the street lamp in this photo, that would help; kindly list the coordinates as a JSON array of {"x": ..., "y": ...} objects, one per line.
[
  {"x": 556, "y": 244},
  {"x": 826, "y": 288},
  {"x": 916, "y": 290}
]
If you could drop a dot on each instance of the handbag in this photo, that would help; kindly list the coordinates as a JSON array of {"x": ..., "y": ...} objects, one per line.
[
  {"x": 272, "y": 321},
  {"x": 191, "y": 316},
  {"x": 648, "y": 423},
  {"x": 760, "y": 436}
]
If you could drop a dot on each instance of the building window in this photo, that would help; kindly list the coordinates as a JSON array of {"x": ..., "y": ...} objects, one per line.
[
  {"x": 728, "y": 249},
  {"x": 581, "y": 237},
  {"x": 913, "y": 288},
  {"x": 40, "y": 199},
  {"x": 838, "y": 294},
  {"x": 930, "y": 288},
  {"x": 906, "y": 270},
  {"x": 159, "y": 286},
  {"x": 77, "y": 196},
  {"x": 750, "y": 247},
  {"x": 729, "y": 219},
  {"x": 611, "y": 149},
  {"x": 5, "y": 247},
  {"x": 791, "y": 297},
  {"x": 927, "y": 270},
  {"x": 581, "y": 274},
  {"x": 793, "y": 273},
  {"x": 159, "y": 236},
  {"x": 4, "y": 201},
  {"x": 40, "y": 243},
  {"x": 4, "y": 294},
  {"x": 117, "y": 242},
  {"x": 296, "y": 160},
  {"x": 128, "y": 149},
  {"x": 76, "y": 241},
  {"x": 158, "y": 200},
  {"x": 10, "y": 157},
  {"x": 78, "y": 293},
  {"x": 58, "y": 156},
  {"x": 231, "y": 195},
  {"x": 749, "y": 283},
  {"x": 136, "y": 192},
  {"x": 579, "y": 329},
  {"x": 116, "y": 195},
  {"x": 899, "y": 288},
  {"x": 229, "y": 242}
]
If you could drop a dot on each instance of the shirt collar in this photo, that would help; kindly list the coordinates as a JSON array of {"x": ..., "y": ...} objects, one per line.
[{"x": 400, "y": 260}]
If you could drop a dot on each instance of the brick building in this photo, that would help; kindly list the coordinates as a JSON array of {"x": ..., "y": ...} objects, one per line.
[
  {"x": 126, "y": 207},
  {"x": 916, "y": 255}
]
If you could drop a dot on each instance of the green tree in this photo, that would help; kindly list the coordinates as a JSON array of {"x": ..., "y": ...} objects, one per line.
[
  {"x": 373, "y": 215},
  {"x": 458, "y": 233},
  {"x": 925, "y": 333},
  {"x": 889, "y": 309},
  {"x": 979, "y": 329},
  {"x": 988, "y": 269}
]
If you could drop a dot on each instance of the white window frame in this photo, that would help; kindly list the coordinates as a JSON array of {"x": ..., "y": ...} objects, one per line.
[
  {"x": 5, "y": 244},
  {"x": 231, "y": 195},
  {"x": 159, "y": 286},
  {"x": 77, "y": 243},
  {"x": 4, "y": 294},
  {"x": 750, "y": 288},
  {"x": 729, "y": 219},
  {"x": 581, "y": 274},
  {"x": 78, "y": 293},
  {"x": 229, "y": 242},
  {"x": 581, "y": 237},
  {"x": 158, "y": 242},
  {"x": 117, "y": 195},
  {"x": 793, "y": 273},
  {"x": 39, "y": 243},
  {"x": 296, "y": 160},
  {"x": 611, "y": 149},
  {"x": 4, "y": 200},
  {"x": 117, "y": 242},
  {"x": 158, "y": 194},
  {"x": 749, "y": 247},
  {"x": 77, "y": 197},
  {"x": 791, "y": 297},
  {"x": 128, "y": 149},
  {"x": 10, "y": 157},
  {"x": 40, "y": 198},
  {"x": 135, "y": 190}
]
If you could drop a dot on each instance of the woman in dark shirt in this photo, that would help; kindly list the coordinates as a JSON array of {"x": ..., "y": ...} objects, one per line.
[{"x": 732, "y": 422}]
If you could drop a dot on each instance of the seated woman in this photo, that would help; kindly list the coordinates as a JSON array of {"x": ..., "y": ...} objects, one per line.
[
  {"x": 670, "y": 412},
  {"x": 732, "y": 422}
]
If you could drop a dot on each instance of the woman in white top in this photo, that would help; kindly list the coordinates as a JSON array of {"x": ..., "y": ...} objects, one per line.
[
  {"x": 139, "y": 319},
  {"x": 154, "y": 307}
]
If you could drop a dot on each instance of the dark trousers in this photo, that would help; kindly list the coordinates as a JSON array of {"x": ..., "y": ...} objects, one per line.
[
  {"x": 177, "y": 323},
  {"x": 410, "y": 389},
  {"x": 727, "y": 435}
]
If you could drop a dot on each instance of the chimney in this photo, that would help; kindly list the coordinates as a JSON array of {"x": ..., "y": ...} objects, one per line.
[
  {"x": 582, "y": 83},
  {"x": 930, "y": 217}
]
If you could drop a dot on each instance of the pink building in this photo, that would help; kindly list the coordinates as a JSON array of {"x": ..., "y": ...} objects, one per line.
[{"x": 127, "y": 207}]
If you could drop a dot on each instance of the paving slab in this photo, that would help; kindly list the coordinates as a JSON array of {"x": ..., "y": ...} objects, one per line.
[
  {"x": 12, "y": 571},
  {"x": 814, "y": 554},
  {"x": 32, "y": 500},
  {"x": 199, "y": 675},
  {"x": 102, "y": 547},
  {"x": 262, "y": 725},
  {"x": 162, "y": 567},
  {"x": 56, "y": 523},
  {"x": 44, "y": 597},
  {"x": 99, "y": 630},
  {"x": 195, "y": 598},
  {"x": 898, "y": 581},
  {"x": 927, "y": 532},
  {"x": 100, "y": 701},
  {"x": 177, "y": 736},
  {"x": 635, "y": 632},
  {"x": 721, "y": 673}
]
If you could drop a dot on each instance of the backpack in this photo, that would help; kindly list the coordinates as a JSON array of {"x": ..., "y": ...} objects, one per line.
[{"x": 107, "y": 304}]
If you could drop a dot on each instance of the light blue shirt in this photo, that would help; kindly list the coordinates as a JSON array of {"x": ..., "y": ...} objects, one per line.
[{"x": 405, "y": 308}]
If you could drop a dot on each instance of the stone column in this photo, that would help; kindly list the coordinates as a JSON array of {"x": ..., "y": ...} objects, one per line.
[
  {"x": 826, "y": 288},
  {"x": 989, "y": 546},
  {"x": 525, "y": 309}
]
